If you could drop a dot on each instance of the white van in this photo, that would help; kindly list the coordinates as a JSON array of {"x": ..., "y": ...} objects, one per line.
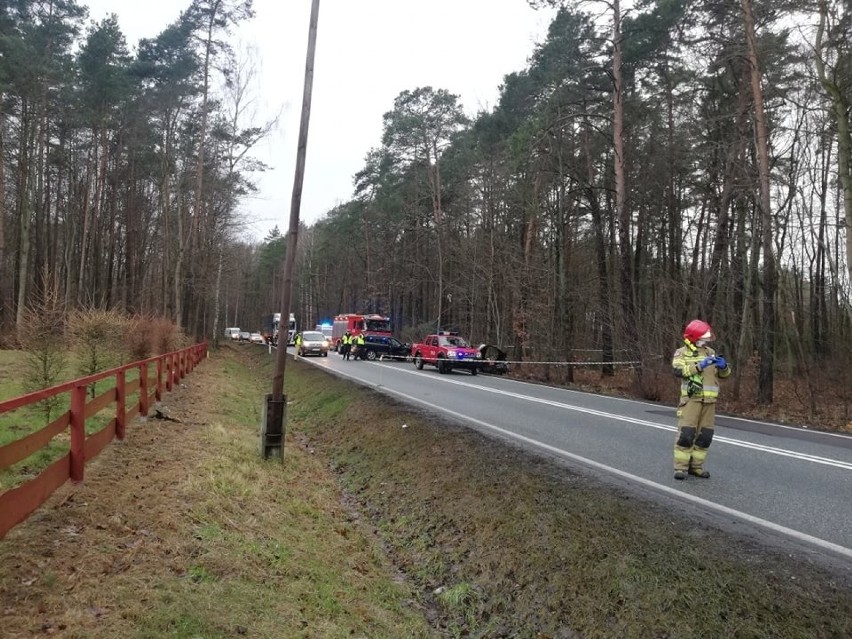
[{"x": 232, "y": 333}]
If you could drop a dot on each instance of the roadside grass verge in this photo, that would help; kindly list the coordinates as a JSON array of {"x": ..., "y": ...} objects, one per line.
[
  {"x": 505, "y": 543},
  {"x": 183, "y": 531}
]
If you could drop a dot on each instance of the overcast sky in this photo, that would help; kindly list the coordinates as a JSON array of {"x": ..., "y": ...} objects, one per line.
[{"x": 368, "y": 51}]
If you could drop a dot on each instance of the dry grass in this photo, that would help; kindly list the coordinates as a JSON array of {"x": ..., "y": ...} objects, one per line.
[{"x": 183, "y": 531}]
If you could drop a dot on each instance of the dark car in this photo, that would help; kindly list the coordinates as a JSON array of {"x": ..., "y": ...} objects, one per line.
[
  {"x": 383, "y": 346},
  {"x": 493, "y": 360}
]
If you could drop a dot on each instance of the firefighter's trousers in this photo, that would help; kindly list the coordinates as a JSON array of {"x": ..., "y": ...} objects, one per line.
[{"x": 695, "y": 422}]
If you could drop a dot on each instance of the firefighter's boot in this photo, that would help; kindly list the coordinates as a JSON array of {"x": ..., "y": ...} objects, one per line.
[
  {"x": 696, "y": 464},
  {"x": 699, "y": 453},
  {"x": 683, "y": 451}
]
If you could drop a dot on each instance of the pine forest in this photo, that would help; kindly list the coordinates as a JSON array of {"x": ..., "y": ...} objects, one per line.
[{"x": 652, "y": 163}]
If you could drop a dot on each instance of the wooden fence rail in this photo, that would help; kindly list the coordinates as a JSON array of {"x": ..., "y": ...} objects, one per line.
[{"x": 18, "y": 503}]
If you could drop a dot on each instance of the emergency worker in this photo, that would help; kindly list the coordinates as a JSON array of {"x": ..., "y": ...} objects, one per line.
[
  {"x": 359, "y": 343},
  {"x": 700, "y": 369},
  {"x": 298, "y": 343},
  {"x": 346, "y": 343}
]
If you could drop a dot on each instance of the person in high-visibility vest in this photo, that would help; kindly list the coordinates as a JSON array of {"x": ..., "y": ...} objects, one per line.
[
  {"x": 298, "y": 343},
  {"x": 700, "y": 370},
  {"x": 346, "y": 345},
  {"x": 359, "y": 343}
]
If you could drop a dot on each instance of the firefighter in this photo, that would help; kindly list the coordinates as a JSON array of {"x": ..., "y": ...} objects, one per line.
[
  {"x": 346, "y": 343},
  {"x": 297, "y": 343},
  {"x": 700, "y": 369}
]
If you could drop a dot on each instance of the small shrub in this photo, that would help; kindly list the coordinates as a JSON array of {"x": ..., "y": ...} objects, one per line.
[
  {"x": 167, "y": 336},
  {"x": 97, "y": 338},
  {"x": 41, "y": 334},
  {"x": 149, "y": 336},
  {"x": 137, "y": 338}
]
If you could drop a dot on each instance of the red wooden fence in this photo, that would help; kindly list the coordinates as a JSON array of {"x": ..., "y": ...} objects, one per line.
[{"x": 17, "y": 504}]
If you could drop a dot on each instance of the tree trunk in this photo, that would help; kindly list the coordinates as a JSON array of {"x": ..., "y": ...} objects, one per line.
[
  {"x": 178, "y": 274},
  {"x": 24, "y": 213},
  {"x": 4, "y": 280},
  {"x": 438, "y": 215},
  {"x": 732, "y": 161},
  {"x": 217, "y": 300},
  {"x": 84, "y": 240},
  {"x": 198, "y": 209},
  {"x": 600, "y": 249},
  {"x": 770, "y": 276},
  {"x": 622, "y": 213}
]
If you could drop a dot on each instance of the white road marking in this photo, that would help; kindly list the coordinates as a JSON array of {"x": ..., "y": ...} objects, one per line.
[
  {"x": 821, "y": 433},
  {"x": 789, "y": 532},
  {"x": 795, "y": 534},
  {"x": 642, "y": 422}
]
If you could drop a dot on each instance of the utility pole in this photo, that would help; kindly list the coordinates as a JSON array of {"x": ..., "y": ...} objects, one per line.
[{"x": 275, "y": 406}]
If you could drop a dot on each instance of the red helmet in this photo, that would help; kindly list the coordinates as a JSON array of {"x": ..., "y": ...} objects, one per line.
[{"x": 696, "y": 330}]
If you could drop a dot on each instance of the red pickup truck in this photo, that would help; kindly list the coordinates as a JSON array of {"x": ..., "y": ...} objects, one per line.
[{"x": 446, "y": 351}]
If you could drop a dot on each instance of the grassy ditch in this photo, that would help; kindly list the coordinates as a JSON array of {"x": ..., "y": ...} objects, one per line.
[
  {"x": 503, "y": 543},
  {"x": 183, "y": 531}
]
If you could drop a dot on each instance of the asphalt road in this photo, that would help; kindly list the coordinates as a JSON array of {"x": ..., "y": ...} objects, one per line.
[{"x": 793, "y": 484}]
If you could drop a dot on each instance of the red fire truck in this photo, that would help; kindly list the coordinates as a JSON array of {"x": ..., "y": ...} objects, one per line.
[{"x": 357, "y": 324}]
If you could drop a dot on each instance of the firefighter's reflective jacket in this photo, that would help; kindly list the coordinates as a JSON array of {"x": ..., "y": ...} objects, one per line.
[{"x": 697, "y": 384}]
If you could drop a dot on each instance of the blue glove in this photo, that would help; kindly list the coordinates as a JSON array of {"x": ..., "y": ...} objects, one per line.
[
  {"x": 704, "y": 363},
  {"x": 721, "y": 364}
]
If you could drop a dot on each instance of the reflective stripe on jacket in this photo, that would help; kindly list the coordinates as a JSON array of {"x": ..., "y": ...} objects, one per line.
[{"x": 685, "y": 365}]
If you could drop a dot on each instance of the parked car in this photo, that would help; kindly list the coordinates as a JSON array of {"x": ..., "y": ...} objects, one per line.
[
  {"x": 312, "y": 343},
  {"x": 257, "y": 338},
  {"x": 245, "y": 336},
  {"x": 493, "y": 359},
  {"x": 446, "y": 351},
  {"x": 383, "y": 346}
]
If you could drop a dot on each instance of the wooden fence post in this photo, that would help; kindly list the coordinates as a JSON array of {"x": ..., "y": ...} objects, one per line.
[
  {"x": 169, "y": 366},
  {"x": 78, "y": 432},
  {"x": 143, "y": 390},
  {"x": 120, "y": 405},
  {"x": 158, "y": 394}
]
